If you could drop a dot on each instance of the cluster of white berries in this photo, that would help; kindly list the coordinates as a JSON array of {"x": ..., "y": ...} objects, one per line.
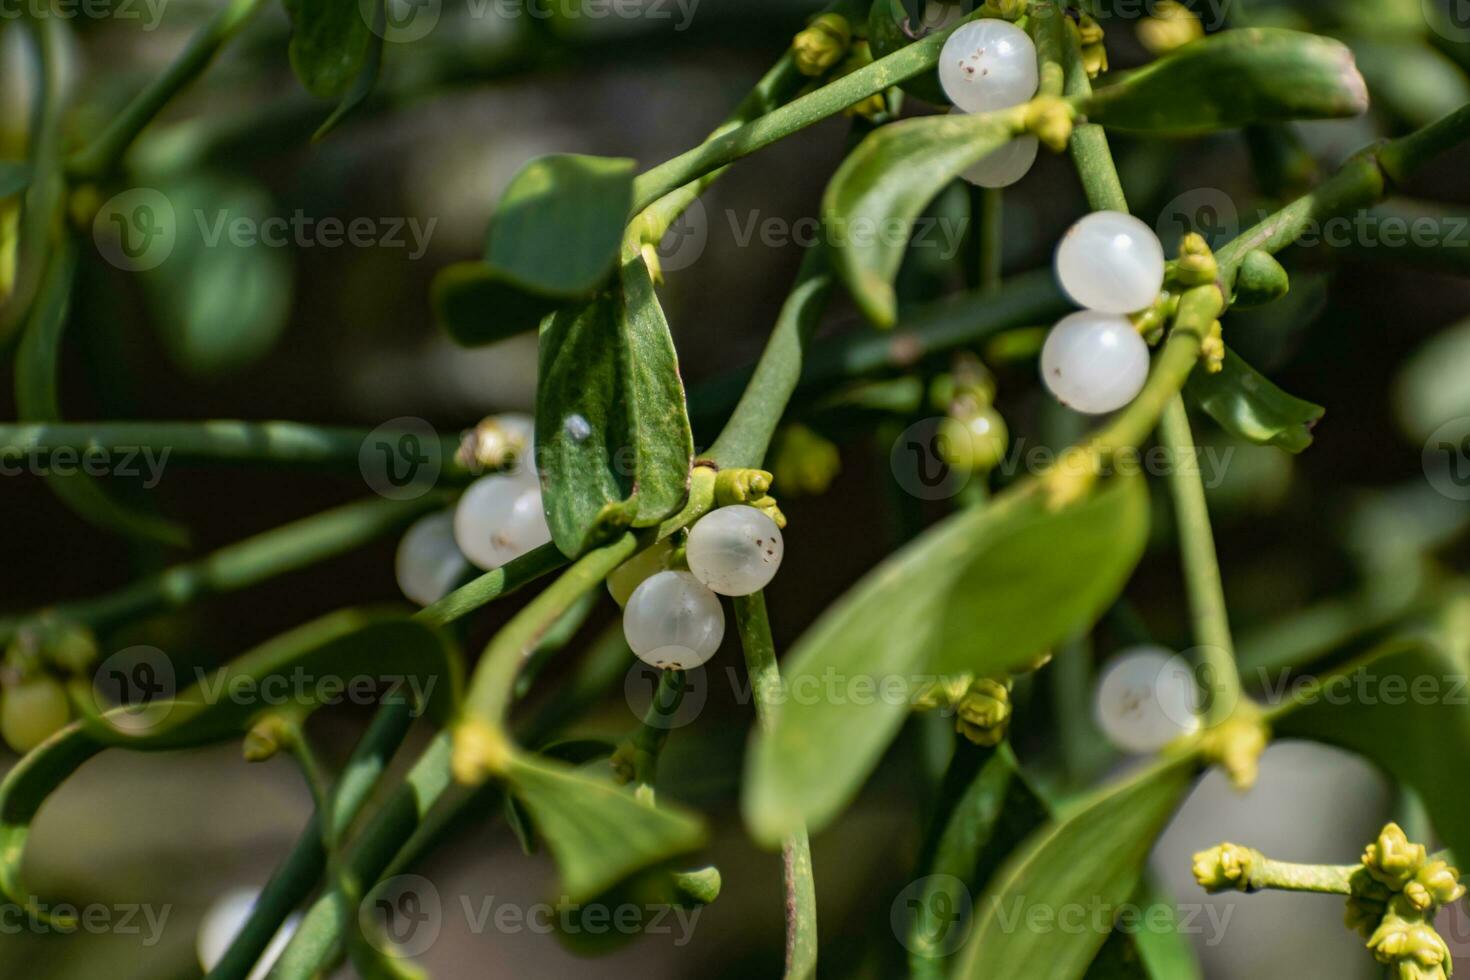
[
  {"x": 1146, "y": 699},
  {"x": 498, "y": 518},
  {"x": 673, "y": 619},
  {"x": 986, "y": 65},
  {"x": 1112, "y": 264}
]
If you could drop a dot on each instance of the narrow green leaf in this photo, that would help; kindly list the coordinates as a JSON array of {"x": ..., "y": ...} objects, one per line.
[
  {"x": 1090, "y": 856},
  {"x": 598, "y": 833},
  {"x": 1406, "y": 710},
  {"x": 38, "y": 399},
  {"x": 403, "y": 657},
  {"x": 1248, "y": 405},
  {"x": 367, "y": 78},
  {"x": 884, "y": 184},
  {"x": 329, "y": 43},
  {"x": 475, "y": 308},
  {"x": 222, "y": 297},
  {"x": 15, "y": 177},
  {"x": 612, "y": 430},
  {"x": 1252, "y": 75},
  {"x": 985, "y": 591},
  {"x": 558, "y": 226}
]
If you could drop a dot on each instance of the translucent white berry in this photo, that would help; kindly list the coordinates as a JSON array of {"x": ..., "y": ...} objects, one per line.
[
  {"x": 1146, "y": 698},
  {"x": 223, "y": 922},
  {"x": 499, "y": 518},
  {"x": 631, "y": 573},
  {"x": 1094, "y": 362},
  {"x": 734, "y": 550},
  {"x": 988, "y": 64},
  {"x": 428, "y": 562},
  {"x": 1005, "y": 166},
  {"x": 1111, "y": 261},
  {"x": 521, "y": 427},
  {"x": 671, "y": 620}
]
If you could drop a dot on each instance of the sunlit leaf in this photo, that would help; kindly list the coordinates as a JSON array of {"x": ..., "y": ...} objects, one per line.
[{"x": 1248, "y": 405}]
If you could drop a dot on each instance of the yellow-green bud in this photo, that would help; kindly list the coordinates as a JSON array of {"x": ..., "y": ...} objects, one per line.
[
  {"x": 1237, "y": 744},
  {"x": 1434, "y": 885},
  {"x": 1212, "y": 348},
  {"x": 975, "y": 441},
  {"x": 984, "y": 713},
  {"x": 1367, "y": 903},
  {"x": 268, "y": 736},
  {"x": 1089, "y": 31},
  {"x": 741, "y": 486},
  {"x": 803, "y": 462},
  {"x": 1393, "y": 859},
  {"x": 1094, "y": 59},
  {"x": 699, "y": 887},
  {"x": 1225, "y": 867},
  {"x": 1260, "y": 280},
  {"x": 1005, "y": 9},
  {"x": 72, "y": 648},
  {"x": 1196, "y": 265},
  {"x": 1050, "y": 119},
  {"x": 821, "y": 45},
  {"x": 489, "y": 445},
  {"x": 1172, "y": 25}
]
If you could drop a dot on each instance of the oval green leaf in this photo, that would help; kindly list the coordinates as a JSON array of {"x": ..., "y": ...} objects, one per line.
[
  {"x": 1252, "y": 75},
  {"x": 1093, "y": 853},
  {"x": 984, "y": 592},
  {"x": 329, "y": 44},
  {"x": 1248, "y": 405},
  {"x": 597, "y": 832},
  {"x": 558, "y": 227},
  {"x": 884, "y": 184},
  {"x": 475, "y": 307}
]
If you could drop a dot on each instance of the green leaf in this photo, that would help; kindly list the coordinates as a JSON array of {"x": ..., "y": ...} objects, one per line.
[
  {"x": 38, "y": 399},
  {"x": 984, "y": 591},
  {"x": 886, "y": 35},
  {"x": 1229, "y": 79},
  {"x": 598, "y": 833},
  {"x": 1248, "y": 405},
  {"x": 475, "y": 308},
  {"x": 1091, "y": 855},
  {"x": 558, "y": 226},
  {"x": 14, "y": 177},
  {"x": 1410, "y": 77},
  {"x": 612, "y": 431},
  {"x": 403, "y": 656},
  {"x": 222, "y": 297},
  {"x": 1406, "y": 710},
  {"x": 1429, "y": 390},
  {"x": 367, "y": 78},
  {"x": 329, "y": 44},
  {"x": 884, "y": 184}
]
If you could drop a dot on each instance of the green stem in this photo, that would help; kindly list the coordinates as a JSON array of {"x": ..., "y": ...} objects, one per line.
[
  {"x": 1211, "y": 621},
  {"x": 298, "y": 874},
  {"x": 648, "y": 741},
  {"x": 796, "y": 854},
  {"x": 216, "y": 440},
  {"x": 990, "y": 222},
  {"x": 251, "y": 561},
  {"x": 1320, "y": 879},
  {"x": 1089, "y": 143},
  {"x": 101, "y": 156},
  {"x": 796, "y": 115},
  {"x": 1401, "y": 157}
]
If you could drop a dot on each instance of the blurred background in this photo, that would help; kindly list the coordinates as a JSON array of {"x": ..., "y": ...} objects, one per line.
[{"x": 345, "y": 336}]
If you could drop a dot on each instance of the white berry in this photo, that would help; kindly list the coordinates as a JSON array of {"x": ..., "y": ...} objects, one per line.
[
  {"x": 499, "y": 518},
  {"x": 1005, "y": 166},
  {"x": 631, "y": 573},
  {"x": 734, "y": 550},
  {"x": 428, "y": 562},
  {"x": 988, "y": 64},
  {"x": 1111, "y": 261},
  {"x": 223, "y": 922},
  {"x": 673, "y": 621},
  {"x": 1094, "y": 362},
  {"x": 1146, "y": 699},
  {"x": 522, "y": 428}
]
